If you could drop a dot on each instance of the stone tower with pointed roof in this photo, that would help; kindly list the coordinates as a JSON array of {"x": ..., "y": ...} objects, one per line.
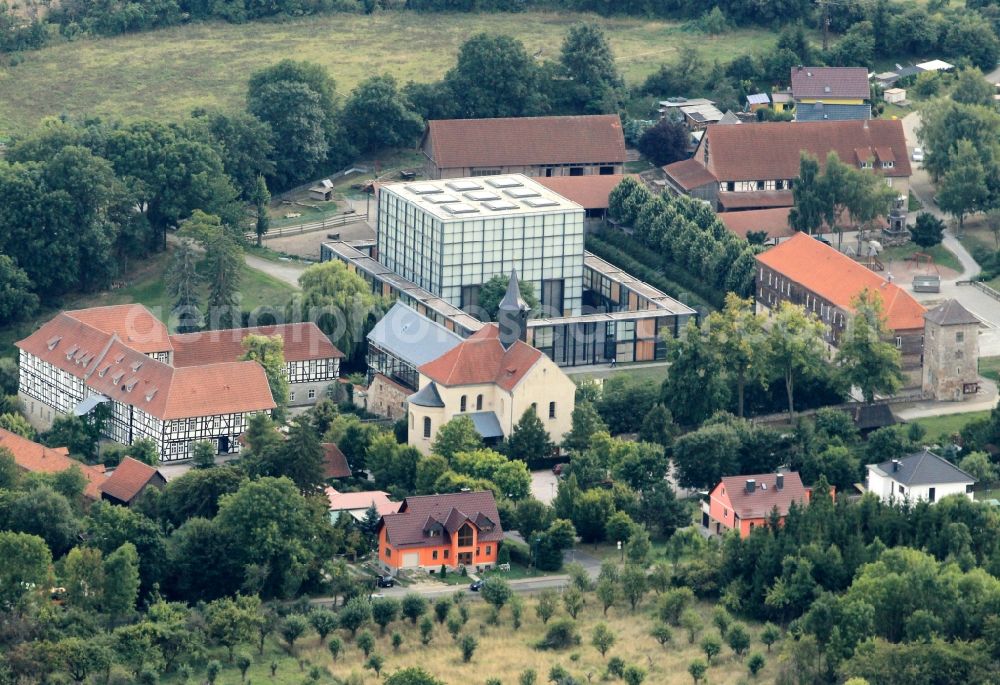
[
  {"x": 512, "y": 315},
  {"x": 951, "y": 352}
]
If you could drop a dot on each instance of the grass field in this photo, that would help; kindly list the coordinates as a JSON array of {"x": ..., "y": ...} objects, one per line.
[
  {"x": 990, "y": 367},
  {"x": 656, "y": 372},
  {"x": 941, "y": 255},
  {"x": 948, "y": 424},
  {"x": 504, "y": 653},
  {"x": 169, "y": 72}
]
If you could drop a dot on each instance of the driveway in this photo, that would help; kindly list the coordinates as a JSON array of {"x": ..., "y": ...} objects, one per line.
[
  {"x": 544, "y": 485},
  {"x": 287, "y": 271}
]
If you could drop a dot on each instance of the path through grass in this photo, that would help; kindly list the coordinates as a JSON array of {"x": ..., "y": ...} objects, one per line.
[{"x": 167, "y": 73}]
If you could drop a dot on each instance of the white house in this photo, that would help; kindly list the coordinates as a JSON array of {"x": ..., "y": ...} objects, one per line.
[{"x": 920, "y": 476}]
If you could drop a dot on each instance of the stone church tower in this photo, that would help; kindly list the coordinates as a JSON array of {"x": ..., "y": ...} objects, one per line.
[{"x": 951, "y": 352}]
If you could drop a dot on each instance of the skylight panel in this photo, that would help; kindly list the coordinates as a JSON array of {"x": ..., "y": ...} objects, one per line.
[
  {"x": 482, "y": 195},
  {"x": 462, "y": 186},
  {"x": 440, "y": 198},
  {"x": 459, "y": 208},
  {"x": 520, "y": 193},
  {"x": 422, "y": 188},
  {"x": 537, "y": 202},
  {"x": 501, "y": 205},
  {"x": 504, "y": 182}
]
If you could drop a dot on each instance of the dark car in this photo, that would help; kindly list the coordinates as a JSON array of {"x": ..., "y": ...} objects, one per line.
[
  {"x": 476, "y": 586},
  {"x": 385, "y": 581}
]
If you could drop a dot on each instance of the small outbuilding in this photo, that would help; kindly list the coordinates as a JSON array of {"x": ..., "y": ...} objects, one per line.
[
  {"x": 322, "y": 191},
  {"x": 894, "y": 95}
]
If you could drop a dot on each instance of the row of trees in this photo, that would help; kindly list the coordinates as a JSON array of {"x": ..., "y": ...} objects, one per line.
[{"x": 687, "y": 234}]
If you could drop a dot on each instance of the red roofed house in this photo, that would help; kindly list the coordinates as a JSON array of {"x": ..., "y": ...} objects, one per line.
[
  {"x": 493, "y": 377},
  {"x": 745, "y": 502},
  {"x": 122, "y": 357},
  {"x": 590, "y": 192},
  {"x": 35, "y": 458},
  {"x": 804, "y": 271},
  {"x": 754, "y": 166},
  {"x": 453, "y": 530},
  {"x": 356, "y": 504},
  {"x": 334, "y": 462},
  {"x": 533, "y": 146},
  {"x": 129, "y": 479}
]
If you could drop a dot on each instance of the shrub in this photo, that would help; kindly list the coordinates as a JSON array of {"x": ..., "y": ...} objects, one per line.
[{"x": 561, "y": 634}]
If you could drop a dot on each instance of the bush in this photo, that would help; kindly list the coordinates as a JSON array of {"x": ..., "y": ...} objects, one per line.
[
  {"x": 518, "y": 552},
  {"x": 561, "y": 634}
]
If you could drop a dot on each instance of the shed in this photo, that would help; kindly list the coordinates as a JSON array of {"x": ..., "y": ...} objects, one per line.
[
  {"x": 322, "y": 191},
  {"x": 894, "y": 95},
  {"x": 757, "y": 101}
]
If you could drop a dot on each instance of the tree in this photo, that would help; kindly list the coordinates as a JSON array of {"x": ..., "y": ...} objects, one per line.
[
  {"x": 121, "y": 581},
  {"x": 224, "y": 266},
  {"x": 864, "y": 357},
  {"x": 426, "y": 630},
  {"x": 928, "y": 230},
  {"x": 441, "y": 609},
  {"x": 602, "y": 638},
  {"x": 756, "y": 663},
  {"x": 529, "y": 440},
  {"x": 697, "y": 669},
  {"x": 738, "y": 639},
  {"x": 573, "y": 601},
  {"x": 593, "y": 84},
  {"x": 492, "y": 291},
  {"x": 972, "y": 88},
  {"x": 634, "y": 585},
  {"x": 585, "y": 423},
  {"x": 365, "y": 642},
  {"x": 496, "y": 592},
  {"x": 412, "y": 676},
  {"x": 662, "y": 634},
  {"x": 468, "y": 646},
  {"x": 339, "y": 301},
  {"x": 45, "y": 513},
  {"x": 796, "y": 344},
  {"x": 808, "y": 196},
  {"x": 375, "y": 662},
  {"x": 244, "y": 661},
  {"x": 25, "y": 570},
  {"x": 769, "y": 635},
  {"x": 261, "y": 198},
  {"x": 665, "y": 142},
  {"x": 547, "y": 604},
  {"x": 335, "y": 645},
  {"x": 17, "y": 301},
  {"x": 494, "y": 77},
  {"x": 377, "y": 115},
  {"x": 83, "y": 577},
  {"x": 232, "y": 621},
  {"x": 323, "y": 621},
  {"x": 970, "y": 35},
  {"x": 737, "y": 334},
  {"x": 963, "y": 188},
  {"x": 356, "y": 613},
  {"x": 704, "y": 456},
  {"x": 245, "y": 144},
  {"x": 385, "y": 610},
  {"x": 414, "y": 606},
  {"x": 711, "y": 645},
  {"x": 455, "y": 436},
  {"x": 634, "y": 675},
  {"x": 692, "y": 622},
  {"x": 269, "y": 352},
  {"x": 292, "y": 628},
  {"x": 979, "y": 466},
  {"x": 673, "y": 603},
  {"x": 695, "y": 387}
]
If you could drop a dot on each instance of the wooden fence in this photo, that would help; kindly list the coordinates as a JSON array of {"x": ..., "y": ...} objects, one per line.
[{"x": 329, "y": 222}]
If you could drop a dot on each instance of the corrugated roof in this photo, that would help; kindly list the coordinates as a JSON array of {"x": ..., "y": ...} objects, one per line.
[
  {"x": 830, "y": 82},
  {"x": 303, "y": 342},
  {"x": 772, "y": 150},
  {"x": 822, "y": 111},
  {"x": 36, "y": 458},
  {"x": 482, "y": 359},
  {"x": 457, "y": 143},
  {"x": 406, "y": 334},
  {"x": 838, "y": 279},
  {"x": 128, "y": 479},
  {"x": 923, "y": 468},
  {"x": 766, "y": 495},
  {"x": 407, "y": 528}
]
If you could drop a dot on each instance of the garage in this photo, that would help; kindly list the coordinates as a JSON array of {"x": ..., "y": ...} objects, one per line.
[{"x": 411, "y": 560}]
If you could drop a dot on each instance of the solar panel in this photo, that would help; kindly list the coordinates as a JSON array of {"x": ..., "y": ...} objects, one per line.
[
  {"x": 464, "y": 185},
  {"x": 504, "y": 182},
  {"x": 535, "y": 203}
]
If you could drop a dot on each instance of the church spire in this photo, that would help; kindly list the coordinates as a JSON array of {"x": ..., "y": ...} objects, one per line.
[{"x": 512, "y": 314}]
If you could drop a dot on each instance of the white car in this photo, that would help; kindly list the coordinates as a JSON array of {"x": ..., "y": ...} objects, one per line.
[{"x": 918, "y": 154}]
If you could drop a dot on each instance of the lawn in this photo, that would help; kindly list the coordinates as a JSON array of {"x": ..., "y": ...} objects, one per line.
[
  {"x": 948, "y": 424},
  {"x": 656, "y": 372},
  {"x": 504, "y": 652},
  {"x": 167, "y": 73},
  {"x": 990, "y": 368},
  {"x": 941, "y": 255}
]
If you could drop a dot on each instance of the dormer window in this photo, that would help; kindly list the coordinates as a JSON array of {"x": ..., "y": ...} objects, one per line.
[
  {"x": 888, "y": 165},
  {"x": 53, "y": 341}
]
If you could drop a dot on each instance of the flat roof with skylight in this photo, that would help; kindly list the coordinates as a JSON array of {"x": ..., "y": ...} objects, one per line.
[{"x": 482, "y": 197}]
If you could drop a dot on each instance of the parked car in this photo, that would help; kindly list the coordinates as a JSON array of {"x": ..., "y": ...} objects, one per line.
[
  {"x": 385, "y": 581},
  {"x": 476, "y": 586},
  {"x": 918, "y": 154}
]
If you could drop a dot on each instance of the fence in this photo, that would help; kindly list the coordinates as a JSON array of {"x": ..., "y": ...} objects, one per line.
[{"x": 311, "y": 226}]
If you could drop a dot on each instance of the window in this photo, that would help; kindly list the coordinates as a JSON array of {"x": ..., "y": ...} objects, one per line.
[
  {"x": 489, "y": 550},
  {"x": 434, "y": 555},
  {"x": 478, "y": 552},
  {"x": 607, "y": 171},
  {"x": 312, "y": 393},
  {"x": 960, "y": 337},
  {"x": 958, "y": 354},
  {"x": 760, "y": 185},
  {"x": 552, "y": 296},
  {"x": 388, "y": 552},
  {"x": 479, "y": 402},
  {"x": 427, "y": 426},
  {"x": 725, "y": 513},
  {"x": 901, "y": 490},
  {"x": 899, "y": 342},
  {"x": 931, "y": 493},
  {"x": 465, "y": 536},
  {"x": 447, "y": 553},
  {"x": 470, "y": 298},
  {"x": 730, "y": 186},
  {"x": 291, "y": 397},
  {"x": 576, "y": 171},
  {"x": 778, "y": 185},
  {"x": 462, "y": 406},
  {"x": 552, "y": 410}
]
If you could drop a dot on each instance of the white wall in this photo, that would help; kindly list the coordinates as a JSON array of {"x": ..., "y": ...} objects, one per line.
[{"x": 886, "y": 488}]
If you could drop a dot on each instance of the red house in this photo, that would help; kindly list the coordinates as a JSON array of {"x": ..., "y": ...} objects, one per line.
[
  {"x": 745, "y": 502},
  {"x": 457, "y": 529}
]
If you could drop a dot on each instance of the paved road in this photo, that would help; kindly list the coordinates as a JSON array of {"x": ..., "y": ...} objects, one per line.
[{"x": 288, "y": 272}]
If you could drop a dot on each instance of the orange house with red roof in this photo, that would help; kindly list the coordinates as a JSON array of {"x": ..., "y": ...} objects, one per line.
[
  {"x": 452, "y": 530},
  {"x": 746, "y": 502},
  {"x": 806, "y": 272}
]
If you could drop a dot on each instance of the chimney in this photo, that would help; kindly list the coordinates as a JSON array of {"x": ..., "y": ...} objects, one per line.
[
  {"x": 895, "y": 465},
  {"x": 751, "y": 485},
  {"x": 779, "y": 481}
]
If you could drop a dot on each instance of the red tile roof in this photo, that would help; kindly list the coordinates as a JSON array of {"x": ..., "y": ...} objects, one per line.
[
  {"x": 590, "y": 192},
  {"x": 689, "y": 174},
  {"x": 756, "y": 199},
  {"x": 129, "y": 478},
  {"x": 482, "y": 359},
  {"x": 334, "y": 462},
  {"x": 37, "y": 458},
  {"x": 772, "y": 150},
  {"x": 830, "y": 82},
  {"x": 765, "y": 497},
  {"x": 458, "y": 143},
  {"x": 838, "y": 278},
  {"x": 111, "y": 367},
  {"x": 348, "y": 501},
  {"x": 774, "y": 221},
  {"x": 407, "y": 527},
  {"x": 134, "y": 324},
  {"x": 303, "y": 342}
]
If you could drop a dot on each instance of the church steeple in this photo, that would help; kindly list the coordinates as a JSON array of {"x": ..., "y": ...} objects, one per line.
[{"x": 512, "y": 315}]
